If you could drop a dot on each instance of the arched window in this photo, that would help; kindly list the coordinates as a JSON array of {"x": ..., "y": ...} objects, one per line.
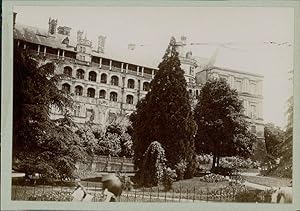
[
  {"x": 102, "y": 94},
  {"x": 113, "y": 96},
  {"x": 68, "y": 71},
  {"x": 130, "y": 83},
  {"x": 129, "y": 99},
  {"x": 78, "y": 90},
  {"x": 115, "y": 80},
  {"x": 103, "y": 78},
  {"x": 146, "y": 86},
  {"x": 197, "y": 92},
  {"x": 80, "y": 74},
  {"x": 92, "y": 76},
  {"x": 190, "y": 92},
  {"x": 66, "y": 88},
  {"x": 91, "y": 92}
]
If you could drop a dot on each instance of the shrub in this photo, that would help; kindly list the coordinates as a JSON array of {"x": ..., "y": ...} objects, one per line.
[
  {"x": 154, "y": 163},
  {"x": 51, "y": 196},
  {"x": 180, "y": 169},
  {"x": 248, "y": 196},
  {"x": 168, "y": 178},
  {"x": 238, "y": 163},
  {"x": 213, "y": 178},
  {"x": 225, "y": 171}
]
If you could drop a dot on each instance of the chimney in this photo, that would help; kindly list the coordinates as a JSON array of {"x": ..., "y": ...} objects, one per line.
[
  {"x": 131, "y": 46},
  {"x": 101, "y": 43},
  {"x": 52, "y": 26},
  {"x": 79, "y": 36},
  {"x": 183, "y": 40},
  {"x": 64, "y": 30},
  {"x": 14, "y": 18}
]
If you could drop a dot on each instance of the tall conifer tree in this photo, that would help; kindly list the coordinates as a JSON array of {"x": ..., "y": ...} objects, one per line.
[{"x": 165, "y": 115}]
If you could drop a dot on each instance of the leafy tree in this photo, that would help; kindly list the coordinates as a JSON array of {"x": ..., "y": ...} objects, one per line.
[
  {"x": 274, "y": 136},
  {"x": 41, "y": 145},
  {"x": 88, "y": 139},
  {"x": 109, "y": 145},
  {"x": 285, "y": 148},
  {"x": 165, "y": 114},
  {"x": 222, "y": 128}
]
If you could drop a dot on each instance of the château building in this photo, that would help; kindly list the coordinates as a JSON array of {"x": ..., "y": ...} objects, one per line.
[{"x": 104, "y": 86}]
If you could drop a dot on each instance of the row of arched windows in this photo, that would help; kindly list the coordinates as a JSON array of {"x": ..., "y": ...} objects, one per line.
[
  {"x": 113, "y": 96},
  {"x": 93, "y": 76}
]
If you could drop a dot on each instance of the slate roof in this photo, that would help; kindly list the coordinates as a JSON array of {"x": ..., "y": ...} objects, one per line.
[{"x": 139, "y": 56}]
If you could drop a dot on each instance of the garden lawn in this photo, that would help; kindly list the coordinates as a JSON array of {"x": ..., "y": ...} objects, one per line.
[
  {"x": 199, "y": 185},
  {"x": 268, "y": 181}
]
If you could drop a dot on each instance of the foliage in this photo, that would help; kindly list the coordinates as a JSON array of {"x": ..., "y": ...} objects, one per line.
[
  {"x": 110, "y": 144},
  {"x": 154, "y": 163},
  {"x": 274, "y": 136},
  {"x": 41, "y": 145},
  {"x": 213, "y": 178},
  {"x": 285, "y": 165},
  {"x": 51, "y": 196},
  {"x": 253, "y": 196},
  {"x": 87, "y": 138},
  {"x": 115, "y": 141},
  {"x": 169, "y": 176},
  {"x": 203, "y": 158},
  {"x": 165, "y": 114},
  {"x": 222, "y": 128},
  {"x": 180, "y": 169},
  {"x": 238, "y": 163}
]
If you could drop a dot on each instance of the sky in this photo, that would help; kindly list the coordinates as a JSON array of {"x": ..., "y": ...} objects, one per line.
[{"x": 243, "y": 36}]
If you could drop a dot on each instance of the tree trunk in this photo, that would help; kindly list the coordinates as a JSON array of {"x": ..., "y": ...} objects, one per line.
[
  {"x": 217, "y": 160},
  {"x": 214, "y": 161}
]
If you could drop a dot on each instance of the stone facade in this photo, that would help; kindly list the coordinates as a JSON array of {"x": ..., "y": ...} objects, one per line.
[{"x": 104, "y": 87}]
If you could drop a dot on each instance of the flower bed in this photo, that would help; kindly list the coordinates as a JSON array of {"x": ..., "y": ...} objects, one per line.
[{"x": 213, "y": 178}]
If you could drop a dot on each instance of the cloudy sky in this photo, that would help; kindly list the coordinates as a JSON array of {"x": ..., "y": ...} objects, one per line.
[{"x": 257, "y": 40}]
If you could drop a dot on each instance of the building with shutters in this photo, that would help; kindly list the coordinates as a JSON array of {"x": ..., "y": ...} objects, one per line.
[{"x": 104, "y": 86}]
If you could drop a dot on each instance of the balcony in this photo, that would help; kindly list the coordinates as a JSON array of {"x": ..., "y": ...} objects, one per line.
[
  {"x": 105, "y": 67},
  {"x": 146, "y": 75},
  {"x": 116, "y": 69}
]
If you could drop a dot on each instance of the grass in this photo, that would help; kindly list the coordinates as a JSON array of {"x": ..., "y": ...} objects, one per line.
[{"x": 268, "y": 181}]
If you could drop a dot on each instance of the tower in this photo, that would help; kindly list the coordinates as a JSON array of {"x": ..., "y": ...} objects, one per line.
[
  {"x": 52, "y": 26},
  {"x": 79, "y": 36},
  {"x": 101, "y": 43}
]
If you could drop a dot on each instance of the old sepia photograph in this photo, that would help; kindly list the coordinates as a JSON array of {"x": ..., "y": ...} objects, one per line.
[{"x": 152, "y": 104}]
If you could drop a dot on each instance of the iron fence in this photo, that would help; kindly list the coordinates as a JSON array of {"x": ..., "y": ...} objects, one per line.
[{"x": 152, "y": 194}]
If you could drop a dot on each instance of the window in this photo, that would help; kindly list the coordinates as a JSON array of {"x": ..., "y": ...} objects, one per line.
[
  {"x": 80, "y": 74},
  {"x": 253, "y": 111},
  {"x": 238, "y": 86},
  {"x": 146, "y": 86},
  {"x": 77, "y": 110},
  {"x": 190, "y": 92},
  {"x": 78, "y": 90},
  {"x": 92, "y": 76},
  {"x": 103, "y": 78},
  {"x": 102, "y": 94},
  {"x": 115, "y": 81},
  {"x": 197, "y": 92},
  {"x": 113, "y": 96},
  {"x": 66, "y": 88},
  {"x": 91, "y": 92},
  {"x": 191, "y": 70},
  {"x": 130, "y": 83},
  {"x": 129, "y": 99},
  {"x": 253, "y": 129},
  {"x": 252, "y": 88},
  {"x": 68, "y": 71}
]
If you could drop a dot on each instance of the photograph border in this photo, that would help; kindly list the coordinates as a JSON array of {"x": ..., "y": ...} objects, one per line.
[{"x": 7, "y": 99}]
